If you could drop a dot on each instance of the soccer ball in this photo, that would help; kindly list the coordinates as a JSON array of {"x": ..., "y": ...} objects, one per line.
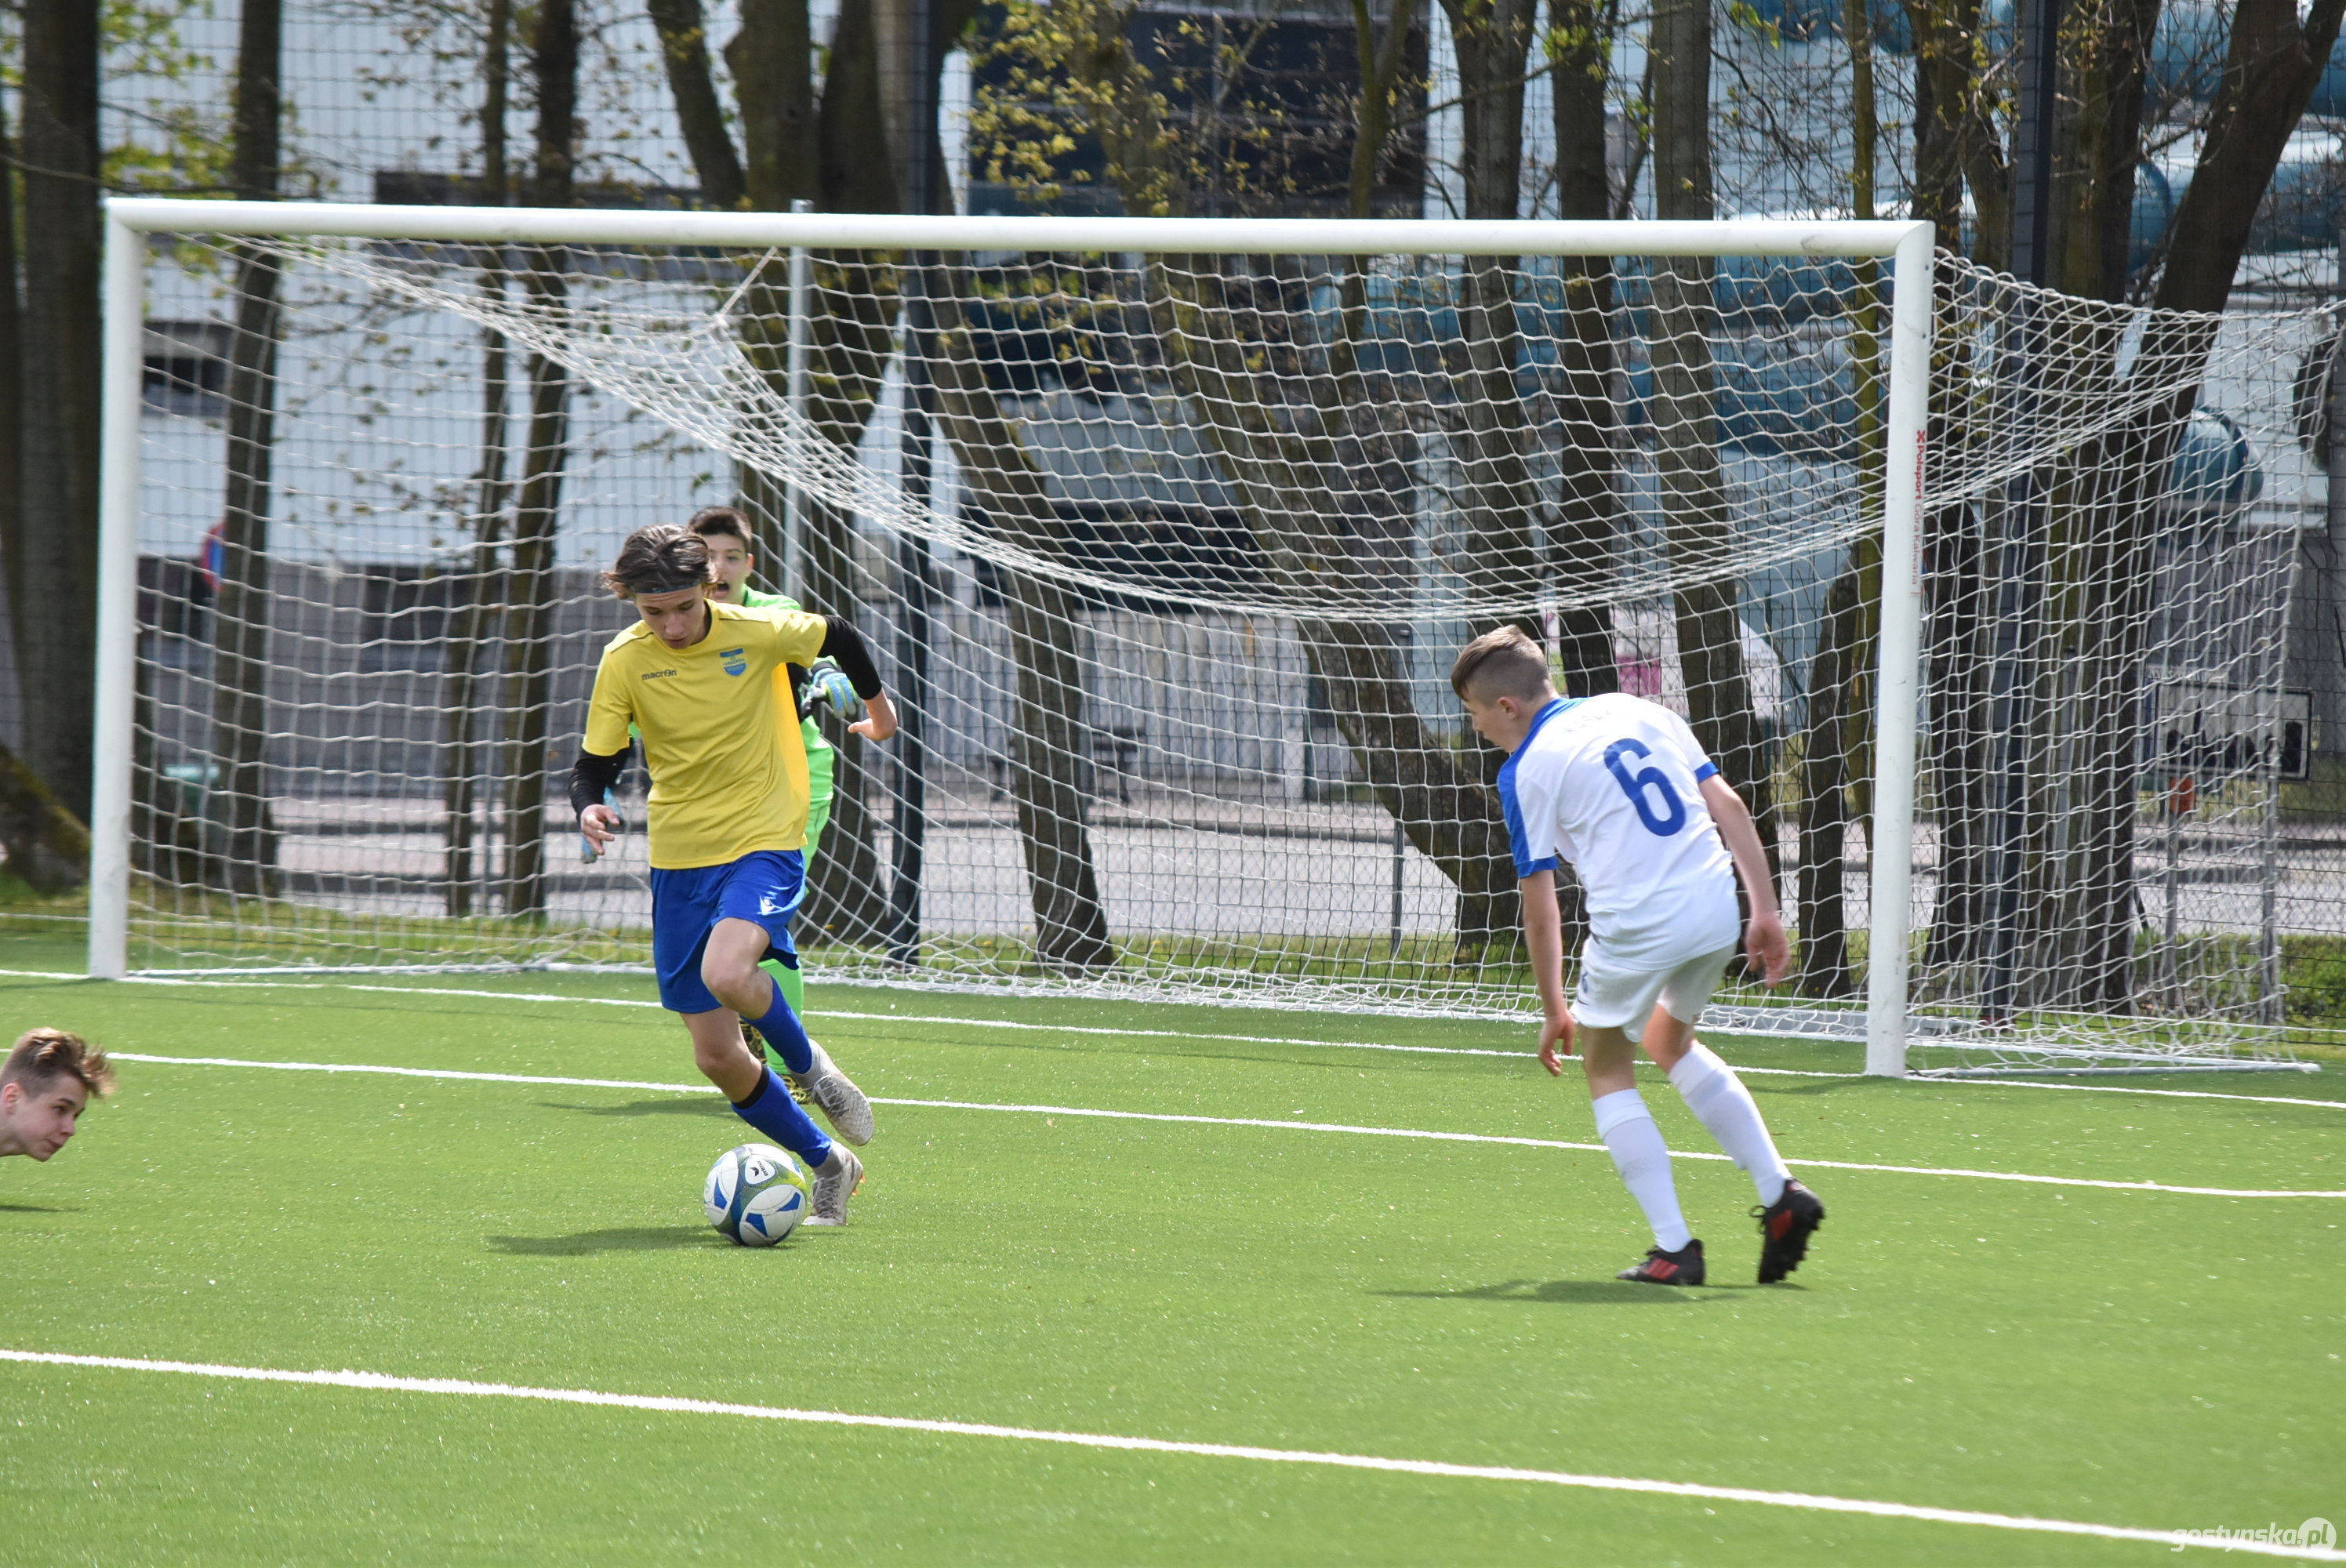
[{"x": 757, "y": 1193}]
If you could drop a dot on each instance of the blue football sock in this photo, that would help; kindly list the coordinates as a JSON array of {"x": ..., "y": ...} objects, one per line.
[
  {"x": 790, "y": 980},
  {"x": 772, "y": 1111},
  {"x": 785, "y": 1033}
]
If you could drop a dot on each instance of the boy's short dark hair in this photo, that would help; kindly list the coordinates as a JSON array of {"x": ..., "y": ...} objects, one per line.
[
  {"x": 42, "y": 1055},
  {"x": 664, "y": 558},
  {"x": 721, "y": 520},
  {"x": 1505, "y": 663}
]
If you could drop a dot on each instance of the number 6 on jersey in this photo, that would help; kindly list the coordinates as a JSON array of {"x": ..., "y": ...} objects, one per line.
[{"x": 1635, "y": 784}]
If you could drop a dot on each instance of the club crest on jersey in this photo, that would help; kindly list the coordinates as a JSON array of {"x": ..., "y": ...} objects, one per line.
[{"x": 734, "y": 659}]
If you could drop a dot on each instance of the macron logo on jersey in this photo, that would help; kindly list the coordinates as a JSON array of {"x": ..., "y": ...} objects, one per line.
[{"x": 658, "y": 673}]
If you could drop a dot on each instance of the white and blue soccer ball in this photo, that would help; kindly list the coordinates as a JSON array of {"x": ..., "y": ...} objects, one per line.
[{"x": 757, "y": 1193}]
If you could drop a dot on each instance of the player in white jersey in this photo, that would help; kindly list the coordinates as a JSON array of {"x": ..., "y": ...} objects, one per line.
[{"x": 1619, "y": 787}]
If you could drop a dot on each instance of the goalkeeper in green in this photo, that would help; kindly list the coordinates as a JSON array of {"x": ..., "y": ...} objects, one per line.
[{"x": 726, "y": 531}]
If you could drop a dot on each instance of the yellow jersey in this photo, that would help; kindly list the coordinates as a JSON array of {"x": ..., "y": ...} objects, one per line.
[{"x": 728, "y": 778}]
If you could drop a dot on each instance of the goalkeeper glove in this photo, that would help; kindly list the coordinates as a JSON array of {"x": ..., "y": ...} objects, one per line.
[{"x": 826, "y": 682}]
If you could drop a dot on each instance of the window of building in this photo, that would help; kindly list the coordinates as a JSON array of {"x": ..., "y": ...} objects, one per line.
[{"x": 186, "y": 368}]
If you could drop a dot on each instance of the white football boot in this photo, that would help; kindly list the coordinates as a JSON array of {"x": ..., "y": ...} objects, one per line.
[
  {"x": 836, "y": 1096},
  {"x": 833, "y": 1189}
]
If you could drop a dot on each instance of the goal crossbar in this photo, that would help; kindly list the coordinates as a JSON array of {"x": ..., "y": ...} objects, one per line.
[
  {"x": 1907, "y": 246},
  {"x": 907, "y": 232}
]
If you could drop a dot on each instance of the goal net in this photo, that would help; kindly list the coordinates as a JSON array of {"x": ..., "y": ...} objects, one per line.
[{"x": 1167, "y": 555}]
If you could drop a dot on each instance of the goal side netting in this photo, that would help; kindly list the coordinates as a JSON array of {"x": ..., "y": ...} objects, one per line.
[{"x": 1166, "y": 556}]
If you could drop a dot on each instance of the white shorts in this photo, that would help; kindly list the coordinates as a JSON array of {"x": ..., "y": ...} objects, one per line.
[{"x": 1614, "y": 996}]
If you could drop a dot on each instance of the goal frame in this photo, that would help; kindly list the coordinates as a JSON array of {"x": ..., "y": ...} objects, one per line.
[{"x": 1906, "y": 245}]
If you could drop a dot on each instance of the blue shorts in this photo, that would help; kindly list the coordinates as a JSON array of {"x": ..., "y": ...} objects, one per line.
[{"x": 764, "y": 887}]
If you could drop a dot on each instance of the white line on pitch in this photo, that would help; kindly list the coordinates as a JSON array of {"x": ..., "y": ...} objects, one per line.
[
  {"x": 1343, "y": 1128},
  {"x": 1599, "y": 1148},
  {"x": 368, "y": 1067},
  {"x": 1813, "y": 1502},
  {"x": 996, "y": 1023},
  {"x": 1155, "y": 1034},
  {"x": 913, "y": 1018}
]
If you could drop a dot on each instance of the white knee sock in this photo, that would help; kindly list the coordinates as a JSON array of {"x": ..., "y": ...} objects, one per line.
[
  {"x": 1725, "y": 1107},
  {"x": 1644, "y": 1161}
]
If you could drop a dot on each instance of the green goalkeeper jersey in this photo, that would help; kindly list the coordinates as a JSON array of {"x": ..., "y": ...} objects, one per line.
[{"x": 819, "y": 754}]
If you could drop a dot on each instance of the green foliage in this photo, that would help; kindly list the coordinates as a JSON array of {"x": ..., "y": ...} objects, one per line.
[
  {"x": 173, "y": 146},
  {"x": 1180, "y": 115},
  {"x": 168, "y": 97},
  {"x": 2313, "y": 968},
  {"x": 25, "y": 910},
  {"x": 1066, "y": 68}
]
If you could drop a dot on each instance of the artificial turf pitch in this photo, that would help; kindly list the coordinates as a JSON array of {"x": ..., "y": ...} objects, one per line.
[{"x": 2134, "y": 1359}]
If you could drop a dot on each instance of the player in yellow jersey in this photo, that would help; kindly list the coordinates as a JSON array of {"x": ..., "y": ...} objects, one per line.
[
  {"x": 695, "y": 679},
  {"x": 796, "y": 690}
]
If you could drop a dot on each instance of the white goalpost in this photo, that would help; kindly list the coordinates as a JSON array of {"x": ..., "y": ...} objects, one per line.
[{"x": 1168, "y": 529}]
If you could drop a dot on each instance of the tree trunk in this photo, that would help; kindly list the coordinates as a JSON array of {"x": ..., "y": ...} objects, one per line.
[
  {"x": 1380, "y": 62},
  {"x": 1050, "y": 746},
  {"x": 1491, "y": 439},
  {"x": 1938, "y": 193},
  {"x": 2271, "y": 71},
  {"x": 1686, "y": 436},
  {"x": 847, "y": 895},
  {"x": 1956, "y": 600},
  {"x": 1320, "y": 480},
  {"x": 2109, "y": 74},
  {"x": 2272, "y": 64},
  {"x": 840, "y": 156},
  {"x": 480, "y": 600},
  {"x": 1825, "y": 968},
  {"x": 1955, "y": 129},
  {"x": 2112, "y": 647},
  {"x": 684, "y": 50},
  {"x": 1836, "y": 717},
  {"x": 1285, "y": 464},
  {"x": 62, "y": 230},
  {"x": 772, "y": 57},
  {"x": 1681, "y": 111},
  {"x": 529, "y": 639},
  {"x": 11, "y": 387},
  {"x": 852, "y": 319},
  {"x": 852, "y": 340},
  {"x": 1492, "y": 39},
  {"x": 48, "y": 847},
  {"x": 240, "y": 663},
  {"x": 1320, "y": 475},
  {"x": 1445, "y": 807},
  {"x": 529, "y": 622},
  {"x": 1584, "y": 538},
  {"x": 1959, "y": 599},
  {"x": 853, "y": 168}
]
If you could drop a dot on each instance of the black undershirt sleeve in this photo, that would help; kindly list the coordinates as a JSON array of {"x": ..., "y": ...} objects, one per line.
[
  {"x": 591, "y": 775},
  {"x": 844, "y": 645}
]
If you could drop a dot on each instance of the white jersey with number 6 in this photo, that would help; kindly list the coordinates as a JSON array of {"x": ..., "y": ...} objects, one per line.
[{"x": 1614, "y": 784}]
